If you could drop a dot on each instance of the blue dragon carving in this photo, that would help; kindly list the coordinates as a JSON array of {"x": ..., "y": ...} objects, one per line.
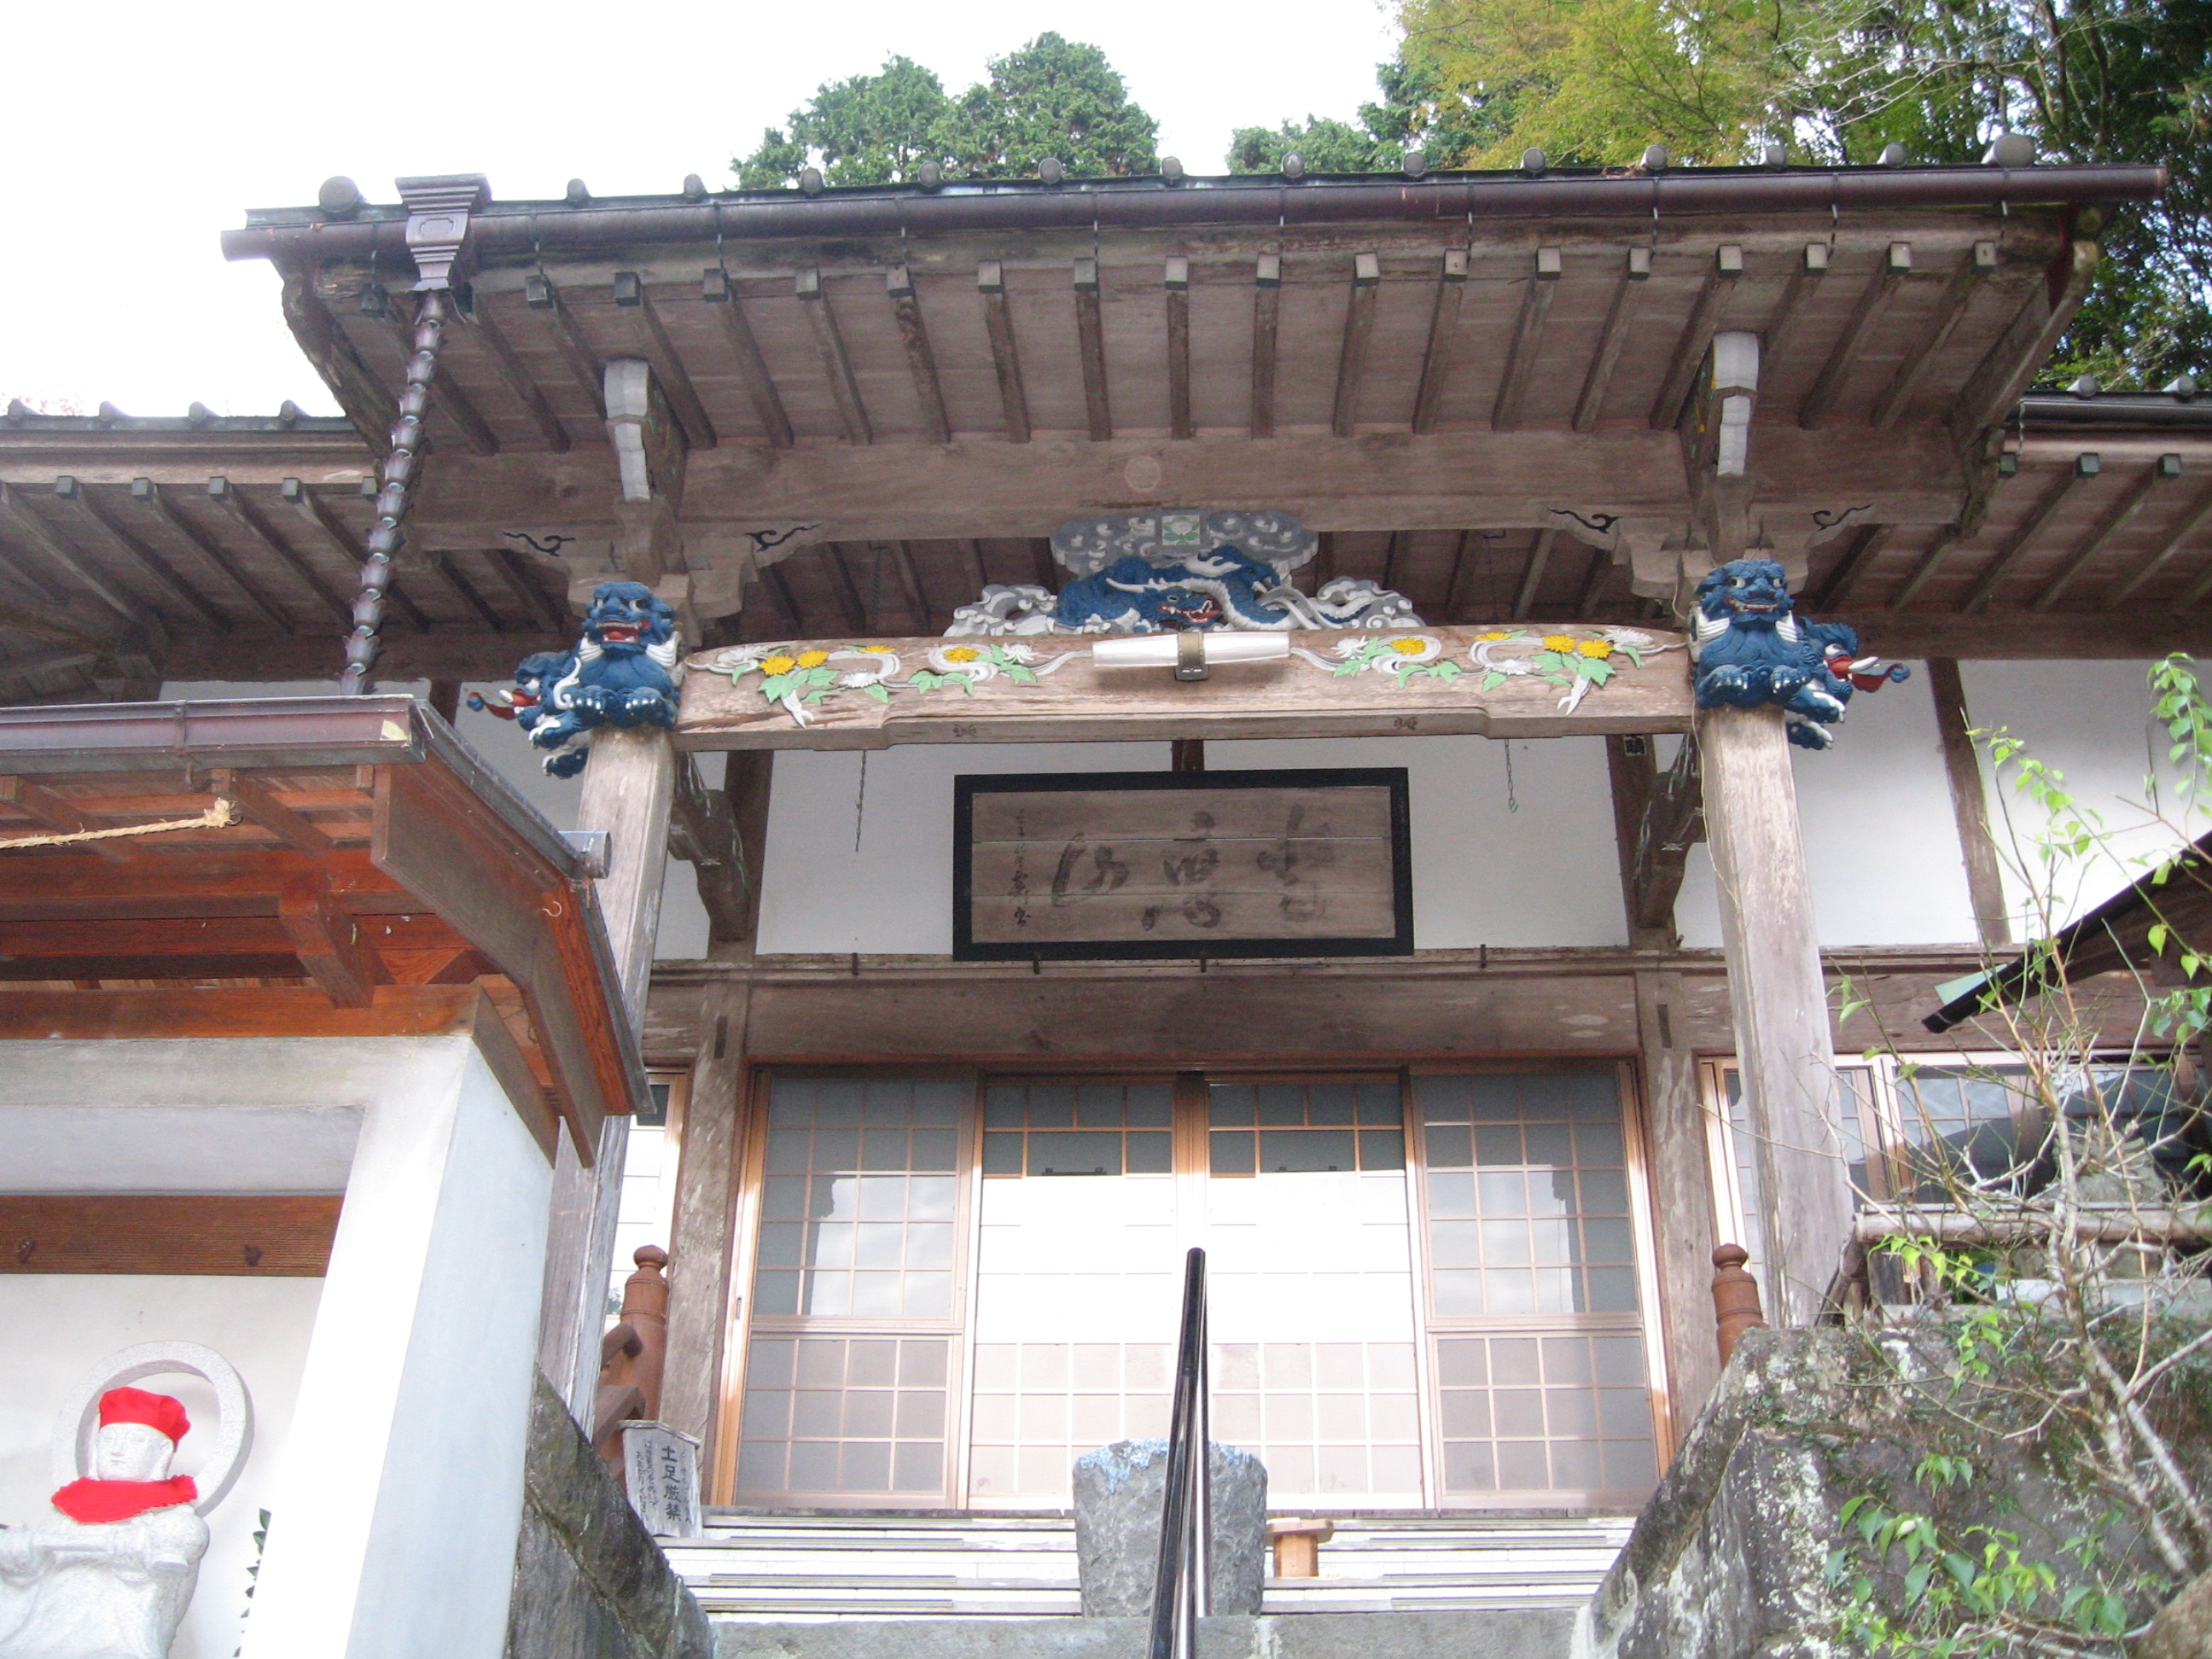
[
  {"x": 1750, "y": 649},
  {"x": 1227, "y": 588},
  {"x": 623, "y": 671}
]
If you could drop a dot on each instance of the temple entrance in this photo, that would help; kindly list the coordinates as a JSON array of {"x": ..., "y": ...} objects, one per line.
[{"x": 1427, "y": 1288}]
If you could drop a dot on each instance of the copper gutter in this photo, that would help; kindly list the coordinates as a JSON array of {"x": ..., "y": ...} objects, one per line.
[{"x": 295, "y": 235}]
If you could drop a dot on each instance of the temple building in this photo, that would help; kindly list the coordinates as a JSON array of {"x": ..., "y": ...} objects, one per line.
[{"x": 1186, "y": 738}]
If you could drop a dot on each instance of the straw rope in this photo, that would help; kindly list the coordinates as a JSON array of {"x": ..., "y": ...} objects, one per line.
[{"x": 221, "y": 815}]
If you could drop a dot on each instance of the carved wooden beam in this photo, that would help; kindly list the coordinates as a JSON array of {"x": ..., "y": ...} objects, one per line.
[
  {"x": 1267, "y": 317},
  {"x": 1528, "y": 341},
  {"x": 921, "y": 361},
  {"x": 1351, "y": 356},
  {"x": 1444, "y": 333},
  {"x": 752, "y": 368},
  {"x": 1006, "y": 357},
  {"x": 1619, "y": 317},
  {"x": 836, "y": 365}
]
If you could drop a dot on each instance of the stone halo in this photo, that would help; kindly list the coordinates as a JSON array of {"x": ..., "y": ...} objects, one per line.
[{"x": 80, "y": 1418}]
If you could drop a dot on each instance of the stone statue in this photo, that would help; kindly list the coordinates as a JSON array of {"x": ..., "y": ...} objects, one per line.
[{"x": 109, "y": 1575}]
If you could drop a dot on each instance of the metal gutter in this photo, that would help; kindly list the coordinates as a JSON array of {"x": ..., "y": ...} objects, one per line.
[
  {"x": 299, "y": 236},
  {"x": 267, "y": 732},
  {"x": 2158, "y": 411}
]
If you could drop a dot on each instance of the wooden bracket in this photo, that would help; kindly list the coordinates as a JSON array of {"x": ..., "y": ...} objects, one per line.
[
  {"x": 328, "y": 942},
  {"x": 259, "y": 805},
  {"x": 702, "y": 831},
  {"x": 1657, "y": 816}
]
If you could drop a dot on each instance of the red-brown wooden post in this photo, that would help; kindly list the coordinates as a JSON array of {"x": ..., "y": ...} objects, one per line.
[{"x": 1735, "y": 1297}]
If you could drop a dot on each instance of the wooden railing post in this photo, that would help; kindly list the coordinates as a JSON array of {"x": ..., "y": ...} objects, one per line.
[
  {"x": 1735, "y": 1297},
  {"x": 645, "y": 1310}
]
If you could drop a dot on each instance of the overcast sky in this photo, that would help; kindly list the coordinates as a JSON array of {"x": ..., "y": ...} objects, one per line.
[{"x": 139, "y": 131}]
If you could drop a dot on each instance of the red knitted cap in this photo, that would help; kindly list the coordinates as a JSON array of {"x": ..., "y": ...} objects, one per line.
[{"x": 156, "y": 1410}]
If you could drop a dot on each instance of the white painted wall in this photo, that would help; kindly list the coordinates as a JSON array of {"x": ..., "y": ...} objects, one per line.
[
  {"x": 843, "y": 876},
  {"x": 1527, "y": 860},
  {"x": 397, "y": 1513},
  {"x": 61, "y": 1325},
  {"x": 2091, "y": 721}
]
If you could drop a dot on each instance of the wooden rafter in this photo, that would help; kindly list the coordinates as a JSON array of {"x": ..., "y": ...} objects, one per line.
[
  {"x": 1090, "y": 351},
  {"x": 650, "y": 339},
  {"x": 1696, "y": 336},
  {"x": 1874, "y": 301},
  {"x": 2009, "y": 555},
  {"x": 1444, "y": 333},
  {"x": 1543, "y": 283},
  {"x": 921, "y": 361},
  {"x": 514, "y": 374},
  {"x": 65, "y": 567},
  {"x": 2193, "y": 519},
  {"x": 248, "y": 517},
  {"x": 1177, "y": 287},
  {"x": 142, "y": 558},
  {"x": 1958, "y": 297},
  {"x": 295, "y": 493},
  {"x": 451, "y": 410},
  {"x": 149, "y": 496},
  {"x": 1267, "y": 317},
  {"x": 2122, "y": 513},
  {"x": 830, "y": 347},
  {"x": 1620, "y": 316},
  {"x": 728, "y": 309},
  {"x": 1006, "y": 357},
  {"x": 540, "y": 296},
  {"x": 1352, "y": 353},
  {"x": 1781, "y": 328}
]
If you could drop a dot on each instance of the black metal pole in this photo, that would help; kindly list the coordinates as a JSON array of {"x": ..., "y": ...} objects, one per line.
[{"x": 1173, "y": 1629}]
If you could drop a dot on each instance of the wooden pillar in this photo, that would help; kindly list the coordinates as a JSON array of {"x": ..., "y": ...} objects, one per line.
[
  {"x": 703, "y": 1303},
  {"x": 1969, "y": 803},
  {"x": 1779, "y": 999},
  {"x": 1682, "y": 1197},
  {"x": 628, "y": 788}
]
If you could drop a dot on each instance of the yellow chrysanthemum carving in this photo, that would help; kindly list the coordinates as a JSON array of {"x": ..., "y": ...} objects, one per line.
[
  {"x": 1598, "y": 648},
  {"x": 1558, "y": 641},
  {"x": 773, "y": 666},
  {"x": 877, "y": 650},
  {"x": 812, "y": 658},
  {"x": 962, "y": 654},
  {"x": 1407, "y": 647},
  {"x": 1494, "y": 633}
]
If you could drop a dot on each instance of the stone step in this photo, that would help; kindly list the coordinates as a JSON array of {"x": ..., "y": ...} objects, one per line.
[{"x": 1478, "y": 1633}]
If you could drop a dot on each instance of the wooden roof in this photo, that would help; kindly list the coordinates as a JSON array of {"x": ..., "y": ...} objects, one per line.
[
  {"x": 889, "y": 398},
  {"x": 377, "y": 871}
]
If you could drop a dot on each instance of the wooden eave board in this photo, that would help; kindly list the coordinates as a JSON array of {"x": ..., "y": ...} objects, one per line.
[
  {"x": 1296, "y": 697},
  {"x": 478, "y": 886}
]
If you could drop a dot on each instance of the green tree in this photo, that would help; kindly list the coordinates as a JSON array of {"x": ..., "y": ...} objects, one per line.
[
  {"x": 1053, "y": 97},
  {"x": 869, "y": 130},
  {"x": 1415, "y": 113}
]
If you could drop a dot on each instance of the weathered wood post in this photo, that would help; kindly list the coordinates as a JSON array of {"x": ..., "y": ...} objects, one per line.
[
  {"x": 1778, "y": 996},
  {"x": 629, "y": 786}
]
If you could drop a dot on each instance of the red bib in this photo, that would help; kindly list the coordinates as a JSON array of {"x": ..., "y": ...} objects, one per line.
[{"x": 92, "y": 1502}]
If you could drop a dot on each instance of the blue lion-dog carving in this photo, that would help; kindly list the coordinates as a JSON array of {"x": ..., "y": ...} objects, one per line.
[
  {"x": 1751, "y": 649},
  {"x": 623, "y": 671},
  {"x": 1227, "y": 588}
]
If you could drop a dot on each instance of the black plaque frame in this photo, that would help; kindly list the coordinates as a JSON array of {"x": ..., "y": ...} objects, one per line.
[{"x": 966, "y": 788}]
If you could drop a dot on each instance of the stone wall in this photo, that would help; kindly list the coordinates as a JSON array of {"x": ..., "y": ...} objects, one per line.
[
  {"x": 1729, "y": 1560},
  {"x": 589, "y": 1581}
]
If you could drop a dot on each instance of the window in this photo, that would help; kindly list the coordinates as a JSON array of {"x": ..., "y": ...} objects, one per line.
[
  {"x": 1088, "y": 1128},
  {"x": 1280, "y": 1129}
]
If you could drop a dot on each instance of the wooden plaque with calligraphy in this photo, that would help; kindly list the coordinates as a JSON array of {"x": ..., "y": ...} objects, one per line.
[{"x": 1182, "y": 863}]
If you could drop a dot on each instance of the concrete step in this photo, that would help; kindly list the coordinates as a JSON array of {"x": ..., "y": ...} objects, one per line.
[{"x": 763, "y": 1568}]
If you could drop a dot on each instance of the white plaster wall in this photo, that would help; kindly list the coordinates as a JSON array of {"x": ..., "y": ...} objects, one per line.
[
  {"x": 1531, "y": 864},
  {"x": 1512, "y": 842},
  {"x": 61, "y": 1325},
  {"x": 1881, "y": 845},
  {"x": 889, "y": 886},
  {"x": 2091, "y": 722},
  {"x": 396, "y": 1512}
]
